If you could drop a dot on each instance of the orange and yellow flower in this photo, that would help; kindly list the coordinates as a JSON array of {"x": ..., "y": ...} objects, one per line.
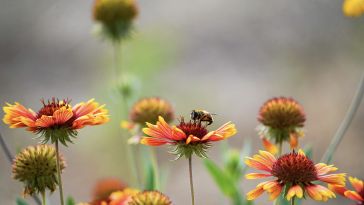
[
  {"x": 282, "y": 119},
  {"x": 356, "y": 195},
  {"x": 187, "y": 137},
  {"x": 353, "y": 8},
  {"x": 104, "y": 188},
  {"x": 295, "y": 173},
  {"x": 150, "y": 198},
  {"x": 57, "y": 119},
  {"x": 122, "y": 197}
]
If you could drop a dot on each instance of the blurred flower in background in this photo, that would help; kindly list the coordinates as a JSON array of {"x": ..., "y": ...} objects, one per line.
[
  {"x": 103, "y": 188},
  {"x": 356, "y": 195},
  {"x": 150, "y": 198},
  {"x": 353, "y": 8}
]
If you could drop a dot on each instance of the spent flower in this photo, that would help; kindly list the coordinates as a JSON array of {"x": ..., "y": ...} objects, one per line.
[
  {"x": 115, "y": 17},
  {"x": 36, "y": 167},
  {"x": 295, "y": 173},
  {"x": 282, "y": 119}
]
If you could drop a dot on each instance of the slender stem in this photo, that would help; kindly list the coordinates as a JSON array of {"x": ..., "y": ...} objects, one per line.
[
  {"x": 292, "y": 201},
  {"x": 155, "y": 167},
  {"x": 191, "y": 180},
  {"x": 59, "y": 175},
  {"x": 10, "y": 158},
  {"x": 280, "y": 147},
  {"x": 44, "y": 198},
  {"x": 339, "y": 135}
]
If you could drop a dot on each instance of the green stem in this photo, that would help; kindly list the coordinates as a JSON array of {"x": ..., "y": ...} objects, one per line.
[
  {"x": 59, "y": 175},
  {"x": 118, "y": 72},
  {"x": 339, "y": 135},
  {"x": 155, "y": 167},
  {"x": 280, "y": 147},
  {"x": 10, "y": 158},
  {"x": 191, "y": 180},
  {"x": 44, "y": 202},
  {"x": 292, "y": 201}
]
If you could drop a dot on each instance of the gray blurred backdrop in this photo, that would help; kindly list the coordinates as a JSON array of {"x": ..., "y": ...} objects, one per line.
[{"x": 225, "y": 56}]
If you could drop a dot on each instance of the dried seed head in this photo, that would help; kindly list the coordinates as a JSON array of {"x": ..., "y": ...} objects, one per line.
[
  {"x": 36, "y": 167},
  {"x": 150, "y": 198}
]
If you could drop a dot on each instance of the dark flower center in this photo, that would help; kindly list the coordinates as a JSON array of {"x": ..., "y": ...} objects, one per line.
[
  {"x": 193, "y": 128},
  {"x": 294, "y": 168},
  {"x": 51, "y": 106}
]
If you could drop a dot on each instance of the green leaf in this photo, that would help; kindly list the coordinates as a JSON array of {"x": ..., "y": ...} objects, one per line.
[
  {"x": 70, "y": 201},
  {"x": 20, "y": 201},
  {"x": 224, "y": 181},
  {"x": 149, "y": 177}
]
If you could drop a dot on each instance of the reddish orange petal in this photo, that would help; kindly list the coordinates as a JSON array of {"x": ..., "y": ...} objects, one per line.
[
  {"x": 269, "y": 146},
  {"x": 18, "y": 116},
  {"x": 256, "y": 176},
  {"x": 257, "y": 165},
  {"x": 253, "y": 194},
  {"x": 225, "y": 131},
  {"x": 293, "y": 140},
  {"x": 353, "y": 196},
  {"x": 338, "y": 189},
  {"x": 322, "y": 168},
  {"x": 45, "y": 121},
  {"x": 336, "y": 179},
  {"x": 164, "y": 131},
  {"x": 62, "y": 115},
  {"x": 89, "y": 113},
  {"x": 357, "y": 184},
  {"x": 275, "y": 193},
  {"x": 153, "y": 141}
]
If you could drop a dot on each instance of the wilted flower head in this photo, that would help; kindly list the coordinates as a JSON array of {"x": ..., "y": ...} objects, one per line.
[
  {"x": 356, "y": 195},
  {"x": 150, "y": 198},
  {"x": 115, "y": 16},
  {"x": 282, "y": 119},
  {"x": 149, "y": 109},
  {"x": 104, "y": 188},
  {"x": 36, "y": 167},
  {"x": 186, "y": 137},
  {"x": 57, "y": 119},
  {"x": 295, "y": 173},
  {"x": 353, "y": 8}
]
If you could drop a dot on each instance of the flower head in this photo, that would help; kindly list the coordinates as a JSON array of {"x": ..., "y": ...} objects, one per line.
[
  {"x": 149, "y": 109},
  {"x": 356, "y": 195},
  {"x": 36, "y": 167},
  {"x": 57, "y": 119},
  {"x": 353, "y": 8},
  {"x": 150, "y": 198},
  {"x": 282, "y": 119},
  {"x": 104, "y": 188},
  {"x": 115, "y": 16},
  {"x": 187, "y": 137},
  {"x": 293, "y": 172}
]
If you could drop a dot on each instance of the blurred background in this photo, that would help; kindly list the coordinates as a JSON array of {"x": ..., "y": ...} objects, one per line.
[{"x": 227, "y": 57}]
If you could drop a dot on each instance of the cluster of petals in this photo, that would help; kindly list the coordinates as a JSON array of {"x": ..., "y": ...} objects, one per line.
[
  {"x": 162, "y": 133},
  {"x": 264, "y": 161},
  {"x": 356, "y": 195},
  {"x": 76, "y": 117}
]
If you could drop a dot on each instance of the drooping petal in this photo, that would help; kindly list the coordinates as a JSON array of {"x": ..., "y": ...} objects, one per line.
[
  {"x": 294, "y": 191},
  {"x": 225, "y": 131},
  {"x": 319, "y": 193},
  {"x": 270, "y": 147},
  {"x": 353, "y": 196},
  {"x": 336, "y": 179},
  {"x": 357, "y": 184},
  {"x": 338, "y": 189},
  {"x": 255, "y": 193},
  {"x": 17, "y": 116},
  {"x": 275, "y": 193}
]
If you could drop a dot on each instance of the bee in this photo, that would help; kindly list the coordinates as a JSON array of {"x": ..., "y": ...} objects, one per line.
[{"x": 202, "y": 116}]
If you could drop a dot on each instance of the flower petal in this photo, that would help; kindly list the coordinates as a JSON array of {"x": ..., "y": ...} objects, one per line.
[
  {"x": 353, "y": 196},
  {"x": 294, "y": 191},
  {"x": 256, "y": 176},
  {"x": 323, "y": 168},
  {"x": 151, "y": 141},
  {"x": 270, "y": 147},
  {"x": 336, "y": 179},
  {"x": 253, "y": 194},
  {"x": 357, "y": 184},
  {"x": 89, "y": 113},
  {"x": 18, "y": 116},
  {"x": 45, "y": 121},
  {"x": 225, "y": 131},
  {"x": 62, "y": 115},
  {"x": 338, "y": 189}
]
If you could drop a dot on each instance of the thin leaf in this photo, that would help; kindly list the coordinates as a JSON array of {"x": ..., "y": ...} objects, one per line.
[{"x": 20, "y": 201}]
